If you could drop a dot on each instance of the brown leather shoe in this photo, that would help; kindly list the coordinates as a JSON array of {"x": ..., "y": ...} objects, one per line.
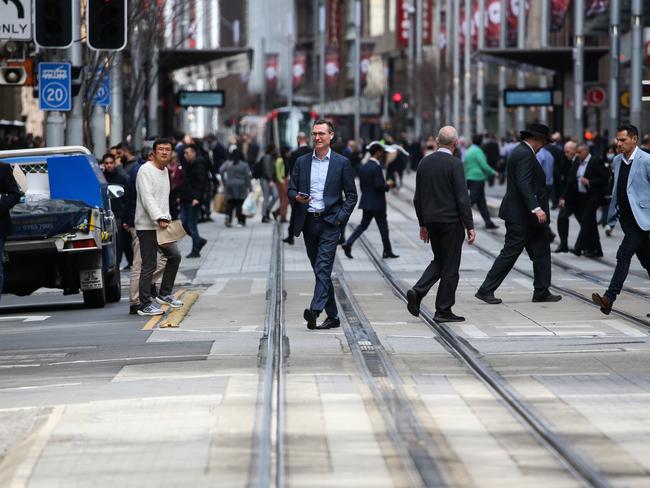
[{"x": 603, "y": 302}]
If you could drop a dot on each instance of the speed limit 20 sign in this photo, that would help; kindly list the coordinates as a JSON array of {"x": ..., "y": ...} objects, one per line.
[{"x": 55, "y": 87}]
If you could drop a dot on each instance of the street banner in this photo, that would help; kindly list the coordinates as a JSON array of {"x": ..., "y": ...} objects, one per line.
[
  {"x": 271, "y": 71},
  {"x": 299, "y": 67},
  {"x": 559, "y": 10},
  {"x": 513, "y": 20},
  {"x": 366, "y": 53},
  {"x": 443, "y": 40},
  {"x": 402, "y": 30},
  {"x": 333, "y": 23},
  {"x": 331, "y": 66},
  {"x": 493, "y": 24},
  {"x": 427, "y": 22}
]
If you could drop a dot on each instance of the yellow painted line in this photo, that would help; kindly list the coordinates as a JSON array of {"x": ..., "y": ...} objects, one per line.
[
  {"x": 177, "y": 315},
  {"x": 153, "y": 321}
]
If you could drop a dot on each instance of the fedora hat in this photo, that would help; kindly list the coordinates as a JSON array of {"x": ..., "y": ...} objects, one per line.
[{"x": 537, "y": 130}]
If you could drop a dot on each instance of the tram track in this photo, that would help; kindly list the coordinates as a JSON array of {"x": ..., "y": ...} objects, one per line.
[
  {"x": 273, "y": 350},
  {"x": 571, "y": 270},
  {"x": 542, "y": 430}
]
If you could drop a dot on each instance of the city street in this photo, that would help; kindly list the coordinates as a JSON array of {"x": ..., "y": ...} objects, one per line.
[{"x": 102, "y": 397}]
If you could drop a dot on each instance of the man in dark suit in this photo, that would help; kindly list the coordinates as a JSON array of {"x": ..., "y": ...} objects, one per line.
[
  {"x": 443, "y": 209},
  {"x": 591, "y": 179},
  {"x": 525, "y": 211},
  {"x": 318, "y": 183},
  {"x": 9, "y": 196},
  {"x": 302, "y": 149},
  {"x": 373, "y": 200},
  {"x": 569, "y": 203}
]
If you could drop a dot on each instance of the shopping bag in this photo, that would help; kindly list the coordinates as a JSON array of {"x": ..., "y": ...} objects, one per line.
[
  {"x": 220, "y": 203},
  {"x": 249, "y": 207},
  {"x": 172, "y": 233}
]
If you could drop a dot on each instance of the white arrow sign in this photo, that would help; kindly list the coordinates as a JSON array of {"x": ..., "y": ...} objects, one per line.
[
  {"x": 28, "y": 318},
  {"x": 16, "y": 20}
]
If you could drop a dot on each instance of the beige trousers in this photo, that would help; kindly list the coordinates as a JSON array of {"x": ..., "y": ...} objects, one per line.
[{"x": 134, "y": 285}]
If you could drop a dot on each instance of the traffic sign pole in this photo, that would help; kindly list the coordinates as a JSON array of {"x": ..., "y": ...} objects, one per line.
[{"x": 74, "y": 128}]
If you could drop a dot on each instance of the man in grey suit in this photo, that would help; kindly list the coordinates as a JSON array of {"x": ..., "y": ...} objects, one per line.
[
  {"x": 443, "y": 209},
  {"x": 631, "y": 205},
  {"x": 525, "y": 210}
]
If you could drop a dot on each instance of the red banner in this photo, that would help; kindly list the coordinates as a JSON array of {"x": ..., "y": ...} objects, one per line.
[
  {"x": 559, "y": 9},
  {"x": 427, "y": 22},
  {"x": 513, "y": 20},
  {"x": 271, "y": 71},
  {"x": 333, "y": 23},
  {"x": 402, "y": 29},
  {"x": 332, "y": 66},
  {"x": 299, "y": 67},
  {"x": 366, "y": 54}
]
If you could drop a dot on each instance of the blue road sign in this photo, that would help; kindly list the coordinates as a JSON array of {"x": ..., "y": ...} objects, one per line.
[
  {"x": 103, "y": 93},
  {"x": 55, "y": 87}
]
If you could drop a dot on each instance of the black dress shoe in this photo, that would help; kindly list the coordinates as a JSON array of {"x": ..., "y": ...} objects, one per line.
[
  {"x": 389, "y": 255},
  {"x": 593, "y": 254},
  {"x": 310, "y": 316},
  {"x": 488, "y": 298},
  {"x": 347, "y": 249},
  {"x": 288, "y": 240},
  {"x": 603, "y": 302},
  {"x": 547, "y": 297},
  {"x": 413, "y": 302},
  {"x": 447, "y": 317},
  {"x": 329, "y": 323},
  {"x": 561, "y": 249},
  {"x": 577, "y": 252},
  {"x": 202, "y": 243}
]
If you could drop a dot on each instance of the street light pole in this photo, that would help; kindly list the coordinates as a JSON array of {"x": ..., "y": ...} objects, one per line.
[
  {"x": 578, "y": 73},
  {"x": 290, "y": 49},
  {"x": 321, "y": 30},
  {"x": 521, "y": 44},
  {"x": 503, "y": 33},
  {"x": 357, "y": 69},
  {"x": 614, "y": 64},
  {"x": 418, "y": 69},
  {"x": 74, "y": 120},
  {"x": 636, "y": 65},
  {"x": 543, "y": 43},
  {"x": 467, "y": 85},
  {"x": 436, "y": 62},
  {"x": 480, "y": 75},
  {"x": 117, "y": 97},
  {"x": 456, "y": 65}
]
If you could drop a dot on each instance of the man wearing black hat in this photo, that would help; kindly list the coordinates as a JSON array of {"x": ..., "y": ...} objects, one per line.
[
  {"x": 525, "y": 211},
  {"x": 373, "y": 201}
]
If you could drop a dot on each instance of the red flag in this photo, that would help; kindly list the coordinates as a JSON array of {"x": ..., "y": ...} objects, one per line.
[
  {"x": 559, "y": 9},
  {"x": 331, "y": 66},
  {"x": 333, "y": 23},
  {"x": 513, "y": 20},
  {"x": 271, "y": 71},
  {"x": 402, "y": 30},
  {"x": 427, "y": 22},
  {"x": 299, "y": 67}
]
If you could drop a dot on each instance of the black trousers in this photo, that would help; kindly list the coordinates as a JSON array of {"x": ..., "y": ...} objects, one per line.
[
  {"x": 447, "y": 244},
  {"x": 635, "y": 241},
  {"x": 535, "y": 239},
  {"x": 588, "y": 238},
  {"x": 149, "y": 248},
  {"x": 569, "y": 209},
  {"x": 382, "y": 223},
  {"x": 234, "y": 205},
  {"x": 477, "y": 196}
]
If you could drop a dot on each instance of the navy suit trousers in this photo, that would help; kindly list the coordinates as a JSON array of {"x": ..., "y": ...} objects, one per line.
[
  {"x": 321, "y": 240},
  {"x": 382, "y": 223}
]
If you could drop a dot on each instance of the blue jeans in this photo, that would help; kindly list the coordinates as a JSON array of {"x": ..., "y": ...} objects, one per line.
[{"x": 190, "y": 219}]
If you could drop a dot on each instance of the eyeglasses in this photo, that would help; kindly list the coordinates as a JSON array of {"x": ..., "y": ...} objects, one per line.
[{"x": 319, "y": 134}]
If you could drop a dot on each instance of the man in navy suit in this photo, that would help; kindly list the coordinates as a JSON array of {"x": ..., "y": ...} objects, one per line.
[
  {"x": 318, "y": 182},
  {"x": 373, "y": 200}
]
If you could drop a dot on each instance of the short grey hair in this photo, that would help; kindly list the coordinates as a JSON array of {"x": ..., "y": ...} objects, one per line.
[
  {"x": 447, "y": 136},
  {"x": 582, "y": 146}
]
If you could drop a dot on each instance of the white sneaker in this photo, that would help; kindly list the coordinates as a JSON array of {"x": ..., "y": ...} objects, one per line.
[
  {"x": 150, "y": 309},
  {"x": 170, "y": 300}
]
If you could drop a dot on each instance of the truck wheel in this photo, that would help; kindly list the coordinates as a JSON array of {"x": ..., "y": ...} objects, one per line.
[
  {"x": 95, "y": 298},
  {"x": 114, "y": 287}
]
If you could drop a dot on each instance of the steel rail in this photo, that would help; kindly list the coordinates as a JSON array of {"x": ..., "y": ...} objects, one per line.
[
  {"x": 574, "y": 462},
  {"x": 270, "y": 440}
]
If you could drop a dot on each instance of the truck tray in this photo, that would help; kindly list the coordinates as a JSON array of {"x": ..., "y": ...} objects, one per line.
[{"x": 47, "y": 218}]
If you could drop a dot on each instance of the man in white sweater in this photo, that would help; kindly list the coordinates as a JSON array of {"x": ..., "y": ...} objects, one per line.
[{"x": 152, "y": 213}]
